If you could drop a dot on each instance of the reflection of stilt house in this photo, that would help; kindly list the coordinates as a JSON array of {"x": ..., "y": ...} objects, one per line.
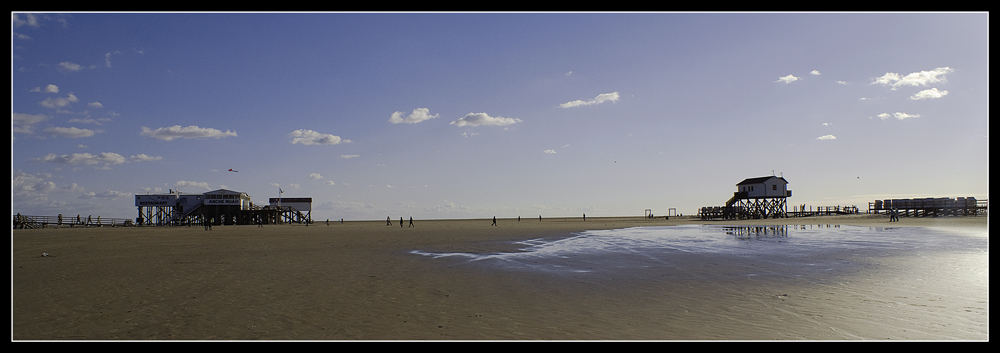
[
  {"x": 218, "y": 207},
  {"x": 755, "y": 198}
]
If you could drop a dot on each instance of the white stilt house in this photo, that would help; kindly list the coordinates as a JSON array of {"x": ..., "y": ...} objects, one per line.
[{"x": 761, "y": 197}]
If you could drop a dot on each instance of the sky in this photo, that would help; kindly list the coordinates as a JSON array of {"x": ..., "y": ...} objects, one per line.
[{"x": 476, "y": 115}]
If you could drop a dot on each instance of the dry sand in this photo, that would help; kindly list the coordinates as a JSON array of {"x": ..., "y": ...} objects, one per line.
[{"x": 359, "y": 281}]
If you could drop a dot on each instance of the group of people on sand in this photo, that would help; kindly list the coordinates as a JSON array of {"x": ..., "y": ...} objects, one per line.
[
  {"x": 388, "y": 221},
  {"x": 893, "y": 215}
]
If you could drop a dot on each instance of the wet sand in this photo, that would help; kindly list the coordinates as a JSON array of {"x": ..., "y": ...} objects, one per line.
[{"x": 360, "y": 281}]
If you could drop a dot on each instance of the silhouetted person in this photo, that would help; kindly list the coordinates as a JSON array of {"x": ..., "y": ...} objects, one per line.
[
  {"x": 494, "y": 220},
  {"x": 387, "y": 221},
  {"x": 401, "y": 222},
  {"x": 584, "y": 217},
  {"x": 411, "y": 222}
]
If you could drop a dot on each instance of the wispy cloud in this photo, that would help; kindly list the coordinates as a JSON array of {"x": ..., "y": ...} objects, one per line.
[
  {"x": 601, "y": 98},
  {"x": 476, "y": 119},
  {"x": 921, "y": 78},
  {"x": 196, "y": 184},
  {"x": 549, "y": 151},
  {"x": 144, "y": 158},
  {"x": 827, "y": 137},
  {"x": 105, "y": 158},
  {"x": 69, "y": 132},
  {"x": 29, "y": 20},
  {"x": 310, "y": 137},
  {"x": 898, "y": 115},
  {"x": 25, "y": 123},
  {"x": 188, "y": 132},
  {"x": 107, "y": 195},
  {"x": 418, "y": 115},
  {"x": 314, "y": 176}
]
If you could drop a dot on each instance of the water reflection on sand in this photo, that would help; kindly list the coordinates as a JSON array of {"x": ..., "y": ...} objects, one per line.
[{"x": 790, "y": 250}]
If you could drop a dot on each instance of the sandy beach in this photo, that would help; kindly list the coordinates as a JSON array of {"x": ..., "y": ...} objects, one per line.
[{"x": 361, "y": 280}]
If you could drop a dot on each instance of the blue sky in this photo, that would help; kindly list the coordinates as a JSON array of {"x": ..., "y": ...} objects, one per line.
[{"x": 475, "y": 115}]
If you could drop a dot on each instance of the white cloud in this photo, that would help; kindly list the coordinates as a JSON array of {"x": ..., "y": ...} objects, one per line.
[
  {"x": 898, "y": 115},
  {"x": 787, "y": 79},
  {"x": 58, "y": 102},
  {"x": 921, "y": 78},
  {"x": 329, "y": 182},
  {"x": 841, "y": 82},
  {"x": 814, "y": 72},
  {"x": 70, "y": 132},
  {"x": 476, "y": 119},
  {"x": 67, "y": 66},
  {"x": 549, "y": 151},
  {"x": 418, "y": 115},
  {"x": 95, "y": 105},
  {"x": 929, "y": 94},
  {"x": 314, "y": 176},
  {"x": 144, "y": 158},
  {"x": 31, "y": 187},
  {"x": 106, "y": 158},
  {"x": 189, "y": 132},
  {"x": 601, "y": 98},
  {"x": 348, "y": 156},
  {"x": 827, "y": 137},
  {"x": 25, "y": 123},
  {"x": 310, "y": 137},
  {"x": 51, "y": 89}
]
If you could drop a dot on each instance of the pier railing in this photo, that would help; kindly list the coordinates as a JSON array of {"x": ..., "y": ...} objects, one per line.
[{"x": 28, "y": 222}]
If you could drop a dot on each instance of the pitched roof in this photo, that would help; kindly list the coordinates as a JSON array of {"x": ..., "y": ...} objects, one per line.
[{"x": 759, "y": 180}]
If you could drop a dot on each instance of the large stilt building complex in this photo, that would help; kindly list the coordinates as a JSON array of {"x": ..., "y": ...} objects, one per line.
[{"x": 218, "y": 207}]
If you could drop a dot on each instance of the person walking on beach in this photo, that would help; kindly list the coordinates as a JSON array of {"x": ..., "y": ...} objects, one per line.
[
  {"x": 387, "y": 221},
  {"x": 411, "y": 222},
  {"x": 401, "y": 222},
  {"x": 584, "y": 217},
  {"x": 494, "y": 220}
]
